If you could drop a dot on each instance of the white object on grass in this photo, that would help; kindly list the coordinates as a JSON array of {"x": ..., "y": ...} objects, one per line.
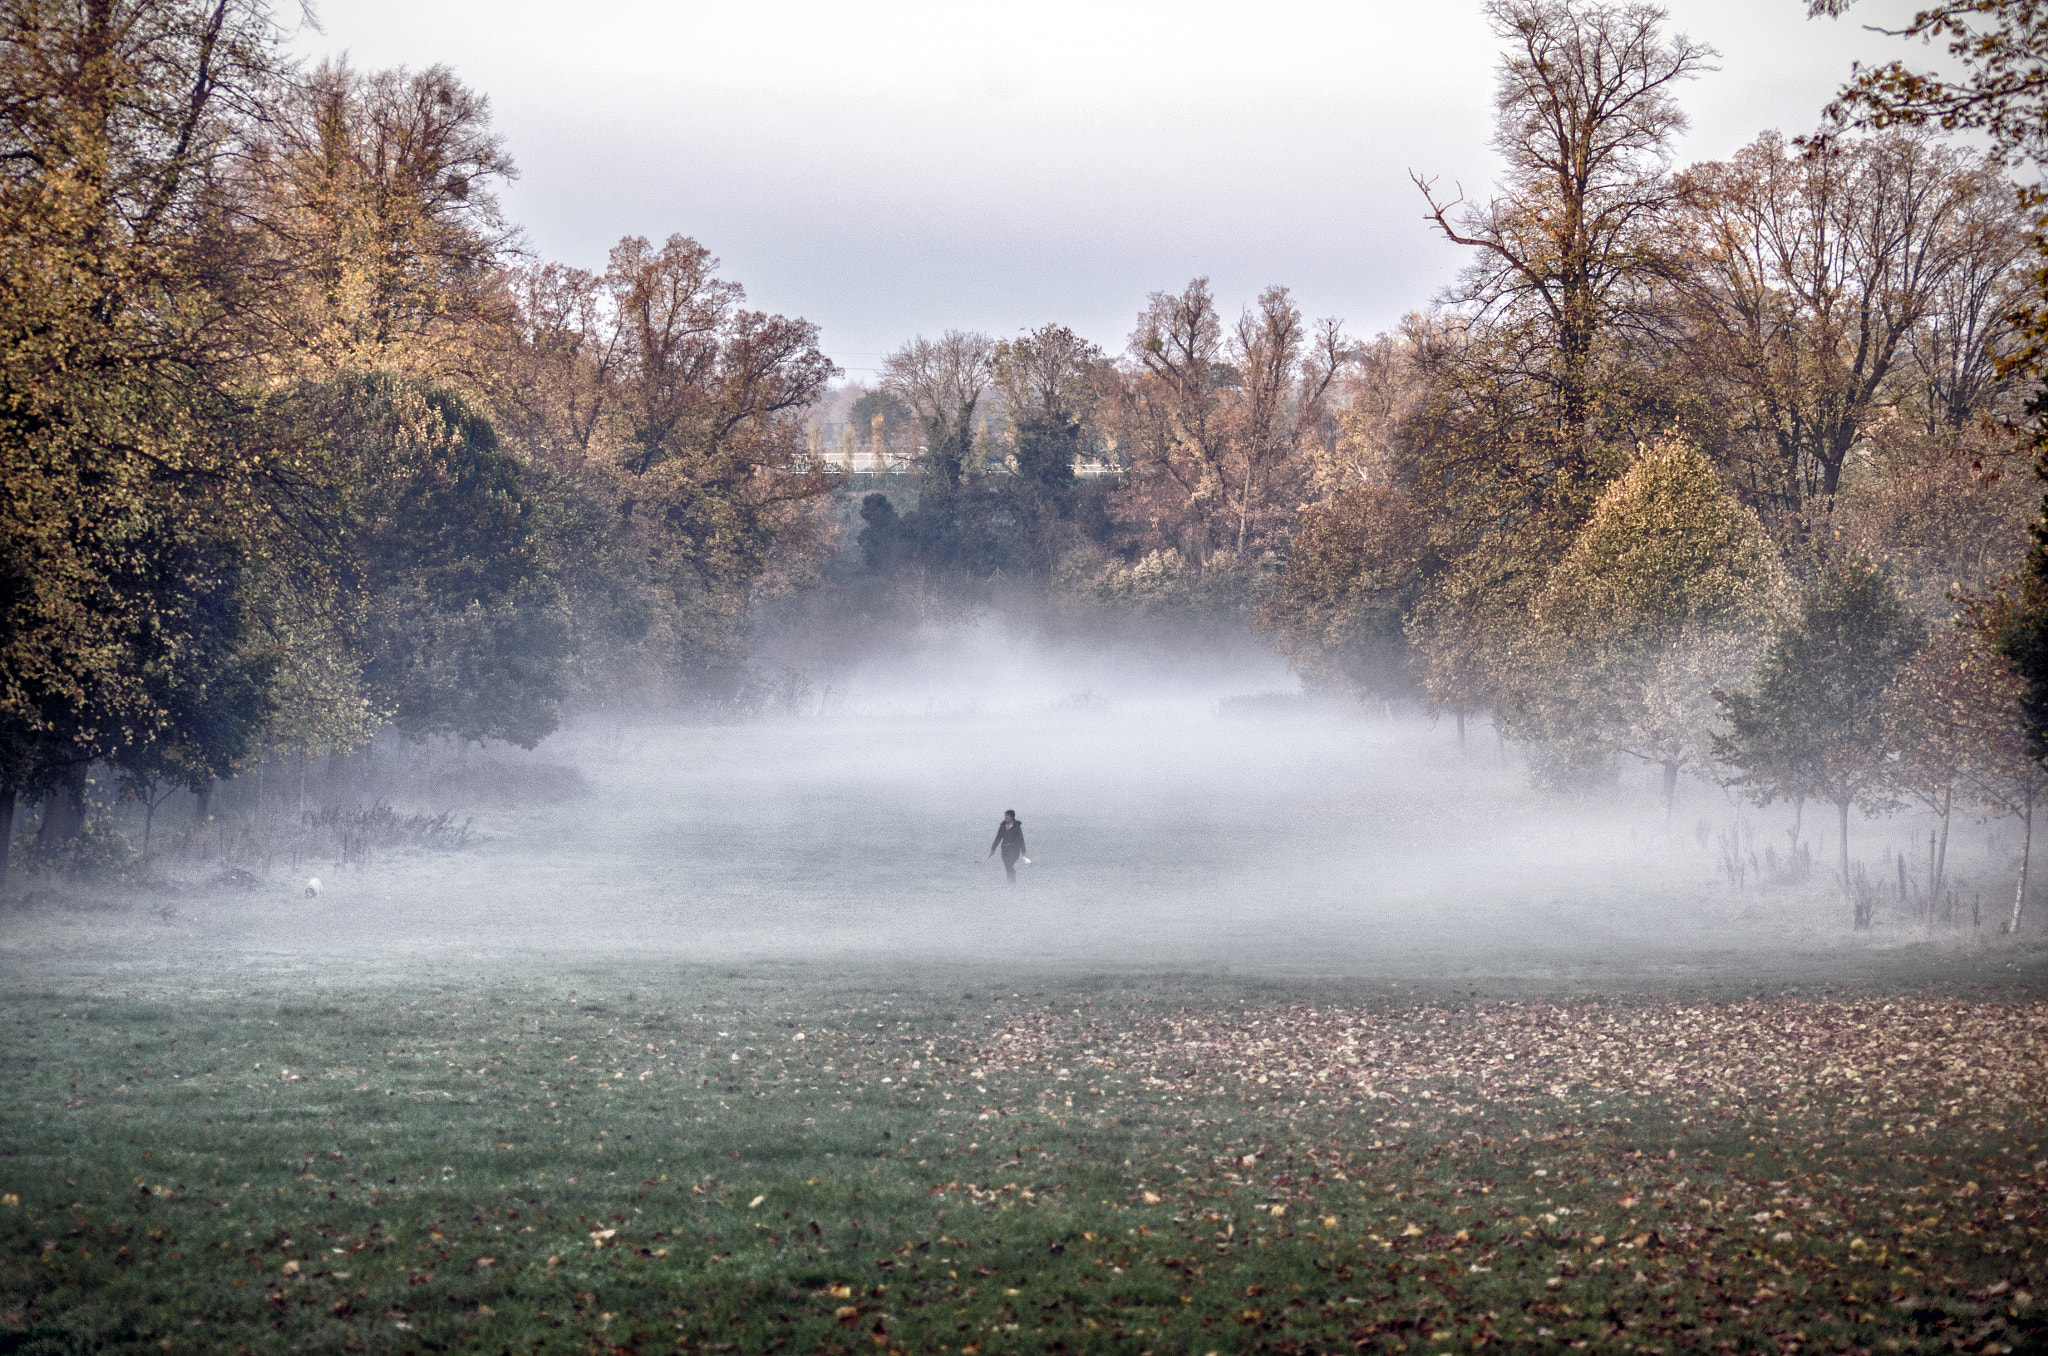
[{"x": 313, "y": 887}]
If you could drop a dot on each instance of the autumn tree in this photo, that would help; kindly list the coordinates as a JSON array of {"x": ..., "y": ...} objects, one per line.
[
  {"x": 2004, "y": 772},
  {"x": 1663, "y": 599},
  {"x": 1820, "y": 281},
  {"x": 120, "y": 442},
  {"x": 1999, "y": 53},
  {"x": 1167, "y": 420},
  {"x": 670, "y": 415},
  {"x": 1353, "y": 572},
  {"x": 1944, "y": 519},
  {"x": 1811, "y": 721},
  {"x": 1536, "y": 390},
  {"x": 1215, "y": 424},
  {"x": 461, "y": 627},
  {"x": 556, "y": 360},
  {"x": 1049, "y": 380},
  {"x": 1381, "y": 388},
  {"x": 944, "y": 381},
  {"x": 370, "y": 197},
  {"x": 1586, "y": 115},
  {"x": 1938, "y": 722}
]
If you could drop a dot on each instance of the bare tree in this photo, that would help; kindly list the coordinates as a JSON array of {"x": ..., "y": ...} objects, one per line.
[
  {"x": 1285, "y": 374},
  {"x": 1960, "y": 353},
  {"x": 1585, "y": 118},
  {"x": 1379, "y": 392},
  {"x": 1811, "y": 277},
  {"x": 1215, "y": 425},
  {"x": 943, "y": 381}
]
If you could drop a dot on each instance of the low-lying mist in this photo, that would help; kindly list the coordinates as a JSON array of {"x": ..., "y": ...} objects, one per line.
[{"x": 1184, "y": 812}]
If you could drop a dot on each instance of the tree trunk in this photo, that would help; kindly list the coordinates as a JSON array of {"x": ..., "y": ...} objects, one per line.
[
  {"x": 1670, "y": 791},
  {"x": 202, "y": 804},
  {"x": 1933, "y": 878},
  {"x": 6, "y": 826},
  {"x": 1798, "y": 818},
  {"x": 1461, "y": 732},
  {"x": 63, "y": 809},
  {"x": 2019, "y": 895},
  {"x": 1940, "y": 872},
  {"x": 1843, "y": 806},
  {"x": 148, "y": 822}
]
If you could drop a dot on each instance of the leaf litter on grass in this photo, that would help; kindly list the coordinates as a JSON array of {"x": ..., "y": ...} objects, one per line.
[{"x": 1087, "y": 1174}]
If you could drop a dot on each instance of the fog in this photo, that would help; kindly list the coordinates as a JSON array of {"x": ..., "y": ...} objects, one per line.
[{"x": 1183, "y": 815}]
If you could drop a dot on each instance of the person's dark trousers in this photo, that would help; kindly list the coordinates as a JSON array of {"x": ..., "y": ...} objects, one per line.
[{"x": 1010, "y": 865}]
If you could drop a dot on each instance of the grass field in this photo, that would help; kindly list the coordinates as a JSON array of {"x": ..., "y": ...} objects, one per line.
[
  {"x": 641, "y": 1157},
  {"x": 1310, "y": 1033}
]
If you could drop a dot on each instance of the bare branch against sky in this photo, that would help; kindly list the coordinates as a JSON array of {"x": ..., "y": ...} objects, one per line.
[{"x": 902, "y": 167}]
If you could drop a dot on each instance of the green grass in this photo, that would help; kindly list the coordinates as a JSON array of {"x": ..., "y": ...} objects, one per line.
[{"x": 1053, "y": 1166}]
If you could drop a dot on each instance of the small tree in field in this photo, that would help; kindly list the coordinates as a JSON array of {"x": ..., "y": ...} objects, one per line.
[
  {"x": 1811, "y": 723},
  {"x": 1934, "y": 721},
  {"x": 2001, "y": 772},
  {"x": 1665, "y": 596}
]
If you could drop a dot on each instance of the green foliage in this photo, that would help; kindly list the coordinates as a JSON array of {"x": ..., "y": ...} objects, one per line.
[
  {"x": 1048, "y": 380},
  {"x": 2021, "y": 635},
  {"x": 120, "y": 426},
  {"x": 216, "y": 695},
  {"x": 1665, "y": 549},
  {"x": 99, "y": 848},
  {"x": 1466, "y": 623},
  {"x": 884, "y": 540},
  {"x": 896, "y": 416},
  {"x": 1811, "y": 724},
  {"x": 1353, "y": 574},
  {"x": 1046, "y": 445},
  {"x": 463, "y": 629},
  {"x": 1662, "y": 599}
]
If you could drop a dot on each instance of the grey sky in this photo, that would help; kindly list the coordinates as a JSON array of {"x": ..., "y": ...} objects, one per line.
[{"x": 897, "y": 167}]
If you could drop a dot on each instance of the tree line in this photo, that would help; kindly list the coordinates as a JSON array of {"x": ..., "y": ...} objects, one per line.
[
  {"x": 299, "y": 445},
  {"x": 1726, "y": 468},
  {"x": 1723, "y": 467}
]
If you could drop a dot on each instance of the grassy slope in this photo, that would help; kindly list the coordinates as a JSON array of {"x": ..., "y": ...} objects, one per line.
[{"x": 580, "y": 1162}]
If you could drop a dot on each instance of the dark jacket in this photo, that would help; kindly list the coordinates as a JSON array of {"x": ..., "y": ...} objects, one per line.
[{"x": 1010, "y": 838}]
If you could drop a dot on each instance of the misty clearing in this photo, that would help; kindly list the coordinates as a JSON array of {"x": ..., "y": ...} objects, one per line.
[{"x": 1513, "y": 831}]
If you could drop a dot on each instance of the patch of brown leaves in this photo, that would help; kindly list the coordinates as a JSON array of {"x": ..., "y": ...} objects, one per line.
[{"x": 1944, "y": 1060}]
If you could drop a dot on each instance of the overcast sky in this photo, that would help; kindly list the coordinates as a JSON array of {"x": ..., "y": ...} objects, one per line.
[{"x": 891, "y": 168}]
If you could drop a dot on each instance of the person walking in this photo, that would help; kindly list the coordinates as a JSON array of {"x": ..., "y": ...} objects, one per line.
[{"x": 1009, "y": 838}]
